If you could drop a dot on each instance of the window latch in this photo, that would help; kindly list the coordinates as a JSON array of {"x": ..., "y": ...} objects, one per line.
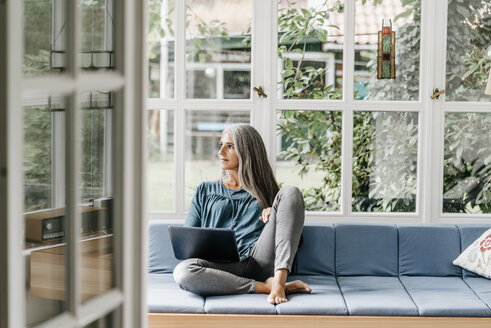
[
  {"x": 436, "y": 93},
  {"x": 260, "y": 92}
]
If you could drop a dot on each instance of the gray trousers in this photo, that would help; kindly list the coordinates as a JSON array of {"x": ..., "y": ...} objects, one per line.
[{"x": 275, "y": 249}]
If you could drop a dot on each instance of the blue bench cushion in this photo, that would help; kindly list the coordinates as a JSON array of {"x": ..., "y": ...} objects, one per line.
[
  {"x": 325, "y": 298},
  {"x": 164, "y": 295},
  {"x": 161, "y": 257},
  {"x": 376, "y": 296},
  {"x": 444, "y": 296},
  {"x": 426, "y": 250},
  {"x": 481, "y": 287},
  {"x": 364, "y": 249},
  {"x": 239, "y": 304},
  {"x": 316, "y": 254},
  {"x": 468, "y": 234}
]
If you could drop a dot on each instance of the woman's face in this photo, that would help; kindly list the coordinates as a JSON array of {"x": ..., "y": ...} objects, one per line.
[{"x": 226, "y": 154}]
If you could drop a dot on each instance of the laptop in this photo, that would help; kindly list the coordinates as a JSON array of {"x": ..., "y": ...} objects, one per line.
[{"x": 212, "y": 244}]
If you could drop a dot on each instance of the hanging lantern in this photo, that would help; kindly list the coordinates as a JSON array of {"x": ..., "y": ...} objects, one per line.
[{"x": 386, "y": 52}]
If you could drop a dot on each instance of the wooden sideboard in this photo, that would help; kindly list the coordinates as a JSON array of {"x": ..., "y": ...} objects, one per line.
[{"x": 48, "y": 269}]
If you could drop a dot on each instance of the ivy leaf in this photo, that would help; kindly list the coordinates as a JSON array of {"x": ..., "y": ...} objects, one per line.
[
  {"x": 322, "y": 35},
  {"x": 288, "y": 63},
  {"x": 403, "y": 14},
  {"x": 463, "y": 11}
]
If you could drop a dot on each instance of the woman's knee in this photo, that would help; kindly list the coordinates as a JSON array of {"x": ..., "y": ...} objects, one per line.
[
  {"x": 183, "y": 272},
  {"x": 292, "y": 193}
]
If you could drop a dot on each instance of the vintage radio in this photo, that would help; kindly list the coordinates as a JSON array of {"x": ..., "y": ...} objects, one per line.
[{"x": 49, "y": 225}]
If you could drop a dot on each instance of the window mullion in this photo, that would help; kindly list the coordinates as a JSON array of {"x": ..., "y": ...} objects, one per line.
[
  {"x": 271, "y": 80},
  {"x": 348, "y": 78},
  {"x": 72, "y": 165},
  {"x": 58, "y": 160},
  {"x": 263, "y": 49},
  {"x": 349, "y": 51},
  {"x": 434, "y": 118},
  {"x": 180, "y": 94},
  {"x": 72, "y": 237},
  {"x": 108, "y": 154}
]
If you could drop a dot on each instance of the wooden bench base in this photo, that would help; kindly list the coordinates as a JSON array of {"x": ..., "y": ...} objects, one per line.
[{"x": 175, "y": 320}]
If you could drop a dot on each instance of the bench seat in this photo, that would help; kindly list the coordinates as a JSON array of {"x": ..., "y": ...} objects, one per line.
[{"x": 354, "y": 269}]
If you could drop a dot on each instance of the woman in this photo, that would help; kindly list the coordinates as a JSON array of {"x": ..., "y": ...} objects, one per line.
[{"x": 267, "y": 222}]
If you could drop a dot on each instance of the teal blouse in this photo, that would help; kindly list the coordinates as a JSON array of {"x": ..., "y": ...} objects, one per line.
[{"x": 211, "y": 207}]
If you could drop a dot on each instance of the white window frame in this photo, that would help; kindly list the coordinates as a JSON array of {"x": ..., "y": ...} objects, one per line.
[{"x": 265, "y": 67}]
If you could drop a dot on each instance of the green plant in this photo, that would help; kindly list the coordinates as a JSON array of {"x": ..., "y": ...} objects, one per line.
[
  {"x": 384, "y": 161},
  {"x": 467, "y": 163},
  {"x": 312, "y": 140},
  {"x": 298, "y": 26}
]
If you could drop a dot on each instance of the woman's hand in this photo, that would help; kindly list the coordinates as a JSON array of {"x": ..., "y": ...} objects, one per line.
[{"x": 266, "y": 214}]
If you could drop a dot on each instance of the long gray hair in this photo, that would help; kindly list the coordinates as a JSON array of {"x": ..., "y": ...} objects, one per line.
[{"x": 255, "y": 173}]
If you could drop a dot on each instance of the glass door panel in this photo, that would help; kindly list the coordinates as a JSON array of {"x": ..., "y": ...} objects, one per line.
[
  {"x": 44, "y": 207},
  {"x": 466, "y": 129},
  {"x": 44, "y": 37},
  {"x": 310, "y": 49},
  {"x": 467, "y": 163},
  {"x": 202, "y": 139},
  {"x": 218, "y": 49},
  {"x": 309, "y": 156},
  {"x": 385, "y": 155},
  {"x": 405, "y": 20},
  {"x": 97, "y": 41},
  {"x": 161, "y": 48},
  {"x": 96, "y": 192},
  {"x": 160, "y": 162},
  {"x": 468, "y": 50}
]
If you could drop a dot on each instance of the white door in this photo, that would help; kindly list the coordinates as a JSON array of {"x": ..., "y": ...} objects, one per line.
[{"x": 71, "y": 163}]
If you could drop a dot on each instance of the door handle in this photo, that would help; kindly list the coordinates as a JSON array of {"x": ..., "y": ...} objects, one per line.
[
  {"x": 436, "y": 93},
  {"x": 260, "y": 92}
]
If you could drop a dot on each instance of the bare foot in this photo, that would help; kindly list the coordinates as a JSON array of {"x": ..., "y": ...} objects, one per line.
[
  {"x": 277, "y": 294},
  {"x": 277, "y": 288},
  {"x": 297, "y": 286}
]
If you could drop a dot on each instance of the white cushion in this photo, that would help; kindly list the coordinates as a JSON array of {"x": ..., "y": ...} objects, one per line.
[{"x": 477, "y": 257}]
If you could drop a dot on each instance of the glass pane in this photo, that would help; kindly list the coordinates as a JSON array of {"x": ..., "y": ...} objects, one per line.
[
  {"x": 105, "y": 322},
  {"x": 161, "y": 41},
  {"x": 97, "y": 169},
  {"x": 97, "y": 35},
  {"x": 44, "y": 36},
  {"x": 44, "y": 154},
  {"x": 160, "y": 163},
  {"x": 201, "y": 83},
  {"x": 237, "y": 84},
  {"x": 406, "y": 23},
  {"x": 310, "y": 49},
  {"x": 203, "y": 133},
  {"x": 38, "y": 153},
  {"x": 309, "y": 156},
  {"x": 467, "y": 163},
  {"x": 385, "y": 154},
  {"x": 218, "y": 40},
  {"x": 468, "y": 50}
]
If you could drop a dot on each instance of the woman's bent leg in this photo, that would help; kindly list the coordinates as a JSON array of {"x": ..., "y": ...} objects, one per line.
[
  {"x": 211, "y": 278},
  {"x": 273, "y": 254},
  {"x": 276, "y": 247}
]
